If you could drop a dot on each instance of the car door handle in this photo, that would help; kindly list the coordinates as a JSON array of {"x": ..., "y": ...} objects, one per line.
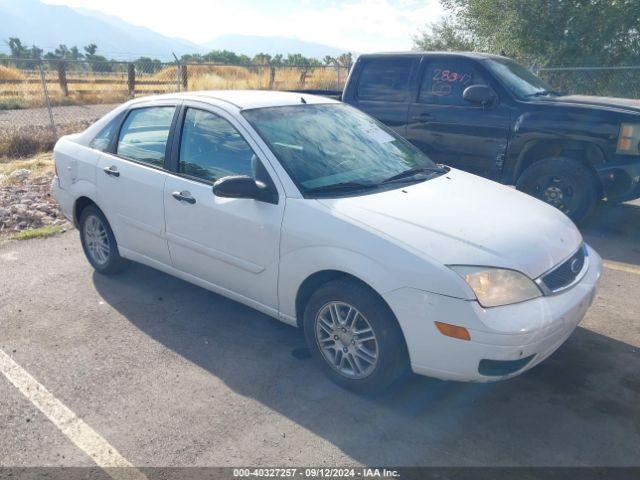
[
  {"x": 424, "y": 116},
  {"x": 184, "y": 197},
  {"x": 112, "y": 170}
]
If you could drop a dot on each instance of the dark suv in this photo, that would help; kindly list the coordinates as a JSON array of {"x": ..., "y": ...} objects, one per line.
[{"x": 491, "y": 116}]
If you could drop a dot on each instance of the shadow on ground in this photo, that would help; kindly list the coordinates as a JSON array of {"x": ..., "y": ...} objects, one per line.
[
  {"x": 614, "y": 231},
  {"x": 580, "y": 407}
]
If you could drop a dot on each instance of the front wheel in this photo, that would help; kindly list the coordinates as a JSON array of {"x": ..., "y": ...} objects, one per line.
[
  {"x": 354, "y": 337},
  {"x": 564, "y": 183}
]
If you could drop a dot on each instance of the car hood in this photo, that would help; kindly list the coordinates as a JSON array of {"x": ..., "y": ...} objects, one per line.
[
  {"x": 460, "y": 218},
  {"x": 613, "y": 102}
]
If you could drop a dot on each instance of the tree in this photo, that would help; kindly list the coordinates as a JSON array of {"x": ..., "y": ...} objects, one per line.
[
  {"x": 543, "y": 32},
  {"x": 19, "y": 51},
  {"x": 329, "y": 60},
  {"x": 345, "y": 59},
  {"x": 445, "y": 35},
  {"x": 148, "y": 65},
  {"x": 261, "y": 59}
]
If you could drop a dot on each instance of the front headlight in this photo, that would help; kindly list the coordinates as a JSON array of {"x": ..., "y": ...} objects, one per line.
[
  {"x": 497, "y": 286},
  {"x": 629, "y": 139}
]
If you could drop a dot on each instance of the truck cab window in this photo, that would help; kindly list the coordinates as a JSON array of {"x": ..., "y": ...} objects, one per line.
[
  {"x": 444, "y": 82},
  {"x": 385, "y": 79}
]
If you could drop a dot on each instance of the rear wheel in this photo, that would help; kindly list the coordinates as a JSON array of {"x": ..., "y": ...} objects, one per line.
[
  {"x": 99, "y": 243},
  {"x": 354, "y": 337},
  {"x": 564, "y": 183}
]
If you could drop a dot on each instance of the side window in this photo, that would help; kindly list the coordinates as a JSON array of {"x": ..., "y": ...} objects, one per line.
[
  {"x": 211, "y": 148},
  {"x": 444, "y": 82},
  {"x": 102, "y": 140},
  {"x": 385, "y": 79},
  {"x": 144, "y": 133}
]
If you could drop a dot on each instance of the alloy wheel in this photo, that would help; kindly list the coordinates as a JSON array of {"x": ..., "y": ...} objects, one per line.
[
  {"x": 347, "y": 340},
  {"x": 96, "y": 240}
]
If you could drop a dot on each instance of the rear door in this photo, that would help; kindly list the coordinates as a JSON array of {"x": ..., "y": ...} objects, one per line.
[
  {"x": 232, "y": 243},
  {"x": 383, "y": 86},
  {"x": 130, "y": 180},
  {"x": 449, "y": 129}
]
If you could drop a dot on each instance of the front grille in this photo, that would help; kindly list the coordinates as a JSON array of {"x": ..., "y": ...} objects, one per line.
[{"x": 565, "y": 273}]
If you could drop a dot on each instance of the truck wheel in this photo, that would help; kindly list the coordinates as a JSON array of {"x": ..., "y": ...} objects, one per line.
[
  {"x": 354, "y": 337},
  {"x": 564, "y": 183}
]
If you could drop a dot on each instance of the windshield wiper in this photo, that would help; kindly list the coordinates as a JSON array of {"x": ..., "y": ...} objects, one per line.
[
  {"x": 340, "y": 186},
  {"x": 413, "y": 172},
  {"x": 541, "y": 93}
]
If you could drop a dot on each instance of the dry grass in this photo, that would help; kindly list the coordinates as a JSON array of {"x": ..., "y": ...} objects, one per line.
[
  {"x": 24, "y": 143},
  {"x": 39, "y": 166},
  {"x": 8, "y": 73},
  {"x": 200, "y": 77}
]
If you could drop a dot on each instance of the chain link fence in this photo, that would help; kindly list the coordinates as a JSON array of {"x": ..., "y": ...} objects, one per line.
[
  {"x": 43, "y": 100},
  {"x": 603, "y": 81}
]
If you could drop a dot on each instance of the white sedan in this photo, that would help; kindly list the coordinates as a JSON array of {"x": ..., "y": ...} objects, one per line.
[{"x": 316, "y": 214}]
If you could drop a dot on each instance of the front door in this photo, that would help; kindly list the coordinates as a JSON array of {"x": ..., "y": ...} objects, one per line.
[
  {"x": 232, "y": 243},
  {"x": 131, "y": 183},
  {"x": 449, "y": 129}
]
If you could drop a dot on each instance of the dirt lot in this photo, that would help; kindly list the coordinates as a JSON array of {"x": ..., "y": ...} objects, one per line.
[{"x": 169, "y": 374}]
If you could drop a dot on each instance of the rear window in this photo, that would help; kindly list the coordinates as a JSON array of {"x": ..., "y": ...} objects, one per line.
[
  {"x": 385, "y": 79},
  {"x": 144, "y": 134}
]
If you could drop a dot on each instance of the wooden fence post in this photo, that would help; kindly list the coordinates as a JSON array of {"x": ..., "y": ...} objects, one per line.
[
  {"x": 185, "y": 77},
  {"x": 131, "y": 79},
  {"x": 62, "y": 78},
  {"x": 272, "y": 76}
]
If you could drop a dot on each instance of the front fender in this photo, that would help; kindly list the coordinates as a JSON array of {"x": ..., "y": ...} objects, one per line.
[{"x": 297, "y": 266}]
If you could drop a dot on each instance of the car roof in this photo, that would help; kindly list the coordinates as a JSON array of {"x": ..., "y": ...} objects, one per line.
[
  {"x": 246, "y": 99},
  {"x": 475, "y": 55}
]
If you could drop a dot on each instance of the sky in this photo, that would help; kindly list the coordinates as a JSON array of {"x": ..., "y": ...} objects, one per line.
[{"x": 356, "y": 25}]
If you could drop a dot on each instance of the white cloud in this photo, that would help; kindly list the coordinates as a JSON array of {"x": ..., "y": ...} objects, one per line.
[{"x": 357, "y": 25}]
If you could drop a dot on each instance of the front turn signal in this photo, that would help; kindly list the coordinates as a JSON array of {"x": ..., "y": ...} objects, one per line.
[{"x": 453, "y": 331}]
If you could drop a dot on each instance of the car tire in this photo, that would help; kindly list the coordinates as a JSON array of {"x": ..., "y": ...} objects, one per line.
[
  {"x": 355, "y": 370},
  {"x": 99, "y": 243},
  {"x": 564, "y": 183}
]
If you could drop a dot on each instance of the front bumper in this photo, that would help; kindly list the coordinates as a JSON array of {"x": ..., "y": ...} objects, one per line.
[
  {"x": 510, "y": 334},
  {"x": 620, "y": 179}
]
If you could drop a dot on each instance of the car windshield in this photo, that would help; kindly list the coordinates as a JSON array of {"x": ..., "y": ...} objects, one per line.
[
  {"x": 519, "y": 80},
  {"x": 334, "y": 148}
]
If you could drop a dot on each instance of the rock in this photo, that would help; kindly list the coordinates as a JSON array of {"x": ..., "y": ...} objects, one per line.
[
  {"x": 19, "y": 209},
  {"x": 21, "y": 174}
]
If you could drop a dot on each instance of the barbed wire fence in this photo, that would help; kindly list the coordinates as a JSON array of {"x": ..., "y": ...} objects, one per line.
[{"x": 41, "y": 100}]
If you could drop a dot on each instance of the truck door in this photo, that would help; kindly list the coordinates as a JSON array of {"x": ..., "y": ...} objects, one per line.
[
  {"x": 383, "y": 86},
  {"x": 451, "y": 130}
]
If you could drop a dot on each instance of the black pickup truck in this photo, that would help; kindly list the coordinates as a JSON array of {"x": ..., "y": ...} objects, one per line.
[{"x": 488, "y": 115}]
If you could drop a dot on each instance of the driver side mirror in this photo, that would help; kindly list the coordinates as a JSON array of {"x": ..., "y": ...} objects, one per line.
[
  {"x": 480, "y": 95},
  {"x": 243, "y": 186}
]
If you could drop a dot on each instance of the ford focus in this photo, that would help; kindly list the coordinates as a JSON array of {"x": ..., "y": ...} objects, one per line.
[{"x": 314, "y": 213}]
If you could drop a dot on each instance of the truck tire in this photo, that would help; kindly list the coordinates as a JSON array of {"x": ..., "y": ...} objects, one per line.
[{"x": 564, "y": 183}]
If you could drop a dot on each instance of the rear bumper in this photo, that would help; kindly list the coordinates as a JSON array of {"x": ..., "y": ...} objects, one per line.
[
  {"x": 64, "y": 199},
  {"x": 505, "y": 341}
]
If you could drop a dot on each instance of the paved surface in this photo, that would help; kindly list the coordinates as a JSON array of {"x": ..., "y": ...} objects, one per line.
[
  {"x": 39, "y": 117},
  {"x": 170, "y": 374}
]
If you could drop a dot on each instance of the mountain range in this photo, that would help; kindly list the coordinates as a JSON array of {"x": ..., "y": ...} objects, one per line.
[{"x": 47, "y": 26}]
